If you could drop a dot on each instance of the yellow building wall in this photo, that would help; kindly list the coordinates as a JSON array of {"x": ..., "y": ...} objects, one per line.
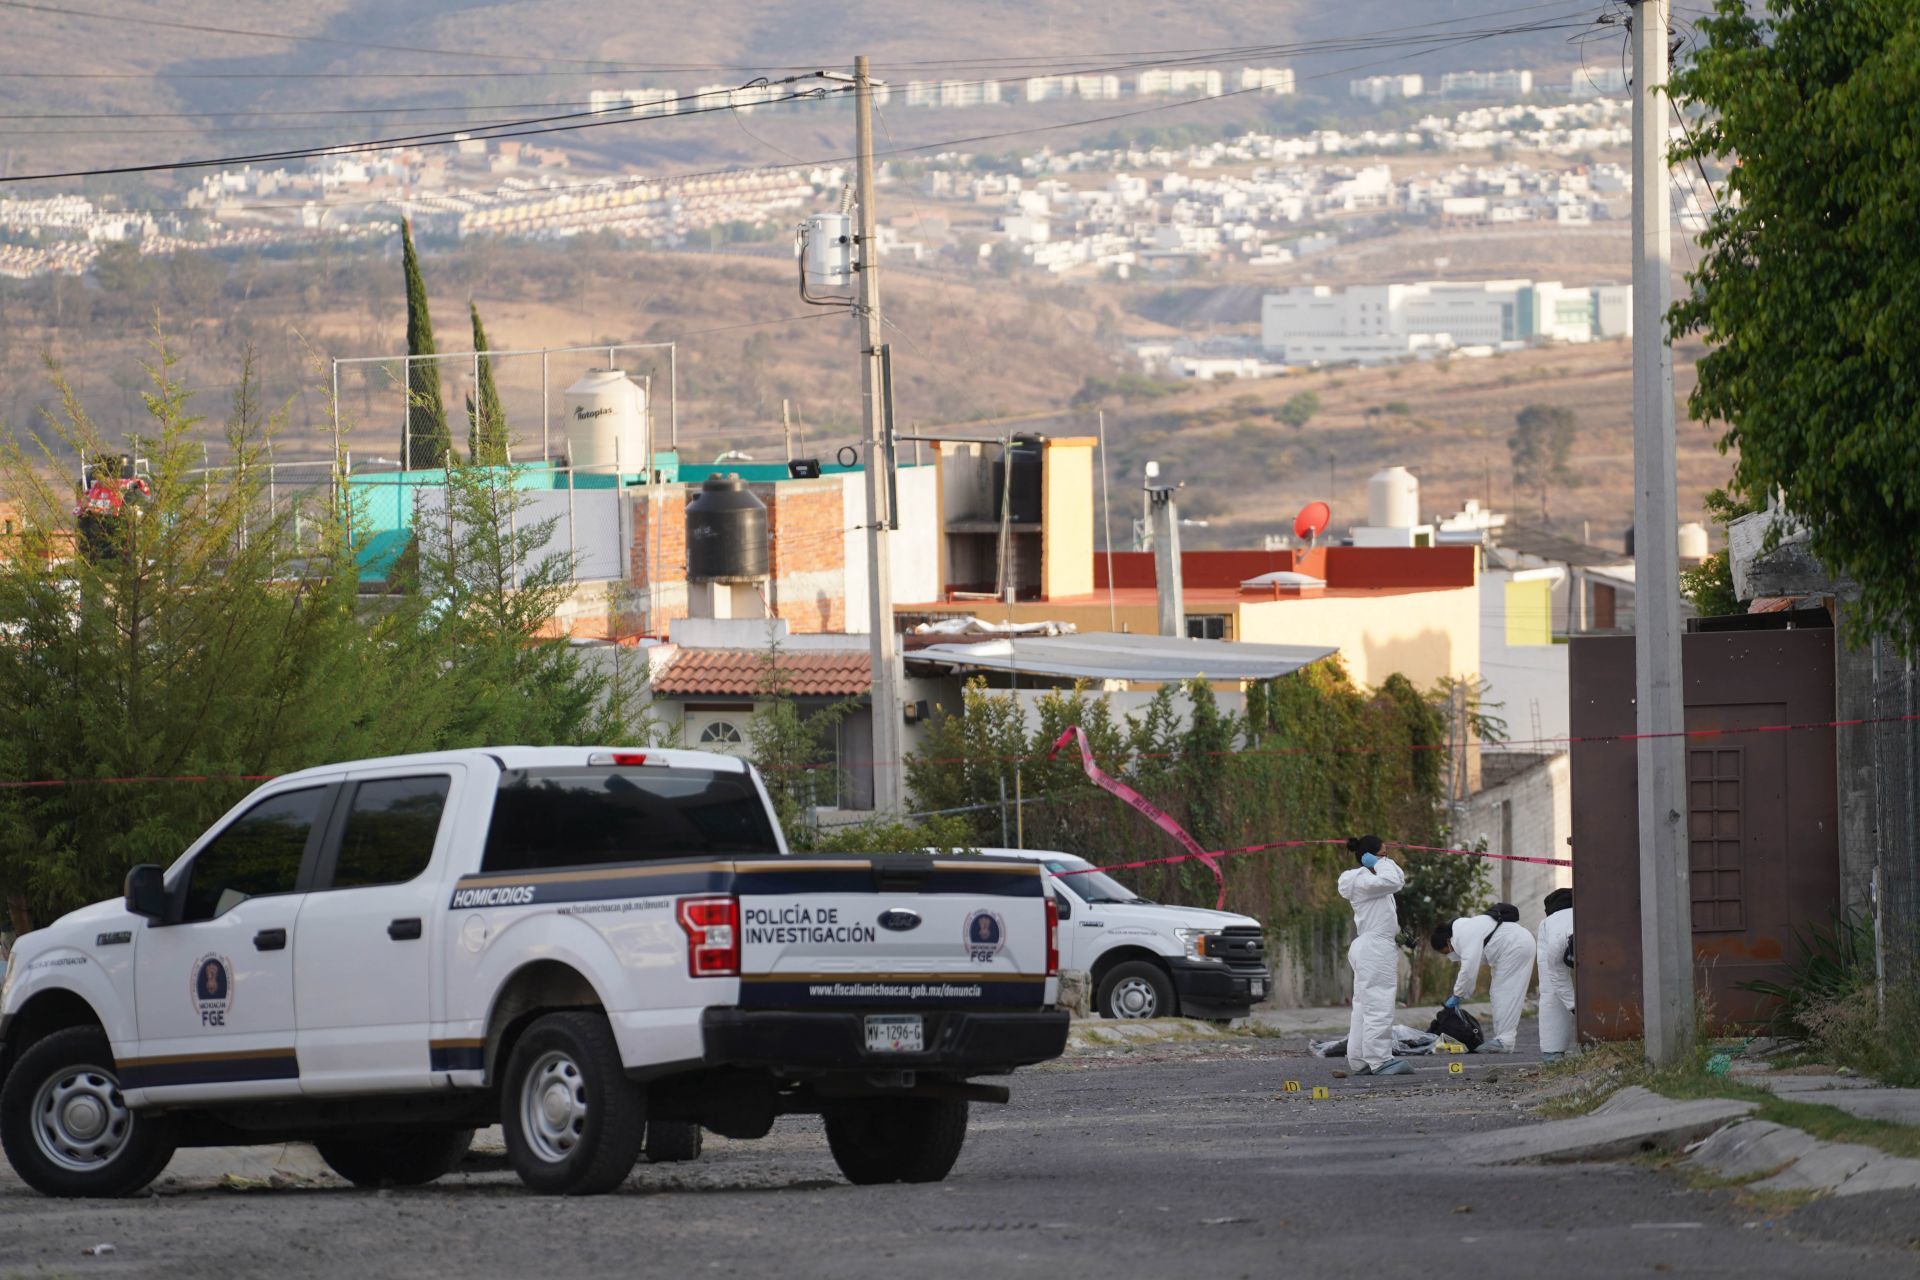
[
  {"x": 1066, "y": 517},
  {"x": 1529, "y": 612},
  {"x": 1424, "y": 636}
]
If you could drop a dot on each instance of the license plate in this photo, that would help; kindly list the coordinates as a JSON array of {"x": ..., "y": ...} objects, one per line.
[
  {"x": 1259, "y": 988},
  {"x": 896, "y": 1034}
]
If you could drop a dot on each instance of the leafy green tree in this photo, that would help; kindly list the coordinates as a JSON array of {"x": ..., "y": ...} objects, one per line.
[
  {"x": 487, "y": 422},
  {"x": 1299, "y": 409},
  {"x": 429, "y": 443},
  {"x": 1709, "y": 584},
  {"x": 1805, "y": 288},
  {"x": 219, "y": 636},
  {"x": 1541, "y": 444}
]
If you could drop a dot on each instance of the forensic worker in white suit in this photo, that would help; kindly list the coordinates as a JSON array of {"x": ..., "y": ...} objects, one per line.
[
  {"x": 1374, "y": 957},
  {"x": 1556, "y": 976},
  {"x": 1508, "y": 951}
]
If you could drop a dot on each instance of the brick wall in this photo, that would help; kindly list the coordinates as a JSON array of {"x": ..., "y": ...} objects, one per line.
[{"x": 806, "y": 525}]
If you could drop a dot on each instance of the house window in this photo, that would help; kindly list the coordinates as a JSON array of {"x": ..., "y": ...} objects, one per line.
[
  {"x": 721, "y": 733},
  {"x": 1207, "y": 626}
]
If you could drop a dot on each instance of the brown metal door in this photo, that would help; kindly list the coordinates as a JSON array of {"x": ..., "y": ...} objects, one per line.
[{"x": 1761, "y": 817}]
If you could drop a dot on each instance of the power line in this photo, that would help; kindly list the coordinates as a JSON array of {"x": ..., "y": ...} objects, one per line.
[{"x": 579, "y": 120}]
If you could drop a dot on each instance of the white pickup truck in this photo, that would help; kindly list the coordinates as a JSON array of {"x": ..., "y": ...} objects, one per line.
[
  {"x": 602, "y": 950},
  {"x": 1149, "y": 959}
]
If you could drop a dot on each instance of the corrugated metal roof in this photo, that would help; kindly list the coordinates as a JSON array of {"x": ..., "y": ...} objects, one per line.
[
  {"x": 1107, "y": 656},
  {"x": 752, "y": 672}
]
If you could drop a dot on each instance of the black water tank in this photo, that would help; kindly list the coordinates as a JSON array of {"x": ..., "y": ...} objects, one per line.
[
  {"x": 726, "y": 532},
  {"x": 1025, "y": 454},
  {"x": 1626, "y": 539}
]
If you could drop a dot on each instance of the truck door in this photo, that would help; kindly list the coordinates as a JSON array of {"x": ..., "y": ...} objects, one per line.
[
  {"x": 366, "y": 953},
  {"x": 214, "y": 984}
]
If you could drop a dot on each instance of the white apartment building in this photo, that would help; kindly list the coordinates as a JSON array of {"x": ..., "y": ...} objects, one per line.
[
  {"x": 1162, "y": 81},
  {"x": 1369, "y": 324},
  {"x": 1597, "y": 80},
  {"x": 1275, "y": 80},
  {"x": 1510, "y": 83},
  {"x": 1381, "y": 89},
  {"x": 1094, "y": 88}
]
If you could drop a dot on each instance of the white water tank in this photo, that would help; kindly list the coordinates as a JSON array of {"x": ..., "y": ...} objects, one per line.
[
  {"x": 606, "y": 417},
  {"x": 1693, "y": 542},
  {"x": 1393, "y": 499}
]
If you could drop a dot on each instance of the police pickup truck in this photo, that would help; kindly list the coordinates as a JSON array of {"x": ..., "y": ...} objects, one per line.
[{"x": 603, "y": 951}]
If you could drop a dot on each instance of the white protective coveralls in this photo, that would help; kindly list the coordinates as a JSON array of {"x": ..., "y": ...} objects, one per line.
[
  {"x": 1375, "y": 959},
  {"x": 1556, "y": 983},
  {"x": 1510, "y": 956}
]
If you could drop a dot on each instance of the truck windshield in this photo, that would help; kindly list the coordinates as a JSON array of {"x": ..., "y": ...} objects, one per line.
[
  {"x": 1093, "y": 887},
  {"x": 590, "y": 817}
]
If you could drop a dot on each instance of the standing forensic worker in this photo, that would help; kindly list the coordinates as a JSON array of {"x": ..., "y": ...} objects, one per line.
[
  {"x": 1508, "y": 950},
  {"x": 1556, "y": 975},
  {"x": 1374, "y": 957}
]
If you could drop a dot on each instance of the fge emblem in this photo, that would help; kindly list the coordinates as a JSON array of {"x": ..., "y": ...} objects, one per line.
[
  {"x": 985, "y": 934},
  {"x": 212, "y": 989}
]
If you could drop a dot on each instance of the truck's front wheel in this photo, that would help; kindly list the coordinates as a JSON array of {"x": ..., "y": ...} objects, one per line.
[
  {"x": 897, "y": 1139},
  {"x": 403, "y": 1160},
  {"x": 574, "y": 1123},
  {"x": 66, "y": 1130},
  {"x": 1137, "y": 989}
]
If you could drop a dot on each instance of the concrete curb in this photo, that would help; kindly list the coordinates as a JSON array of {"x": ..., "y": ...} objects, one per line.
[
  {"x": 1797, "y": 1161},
  {"x": 1631, "y": 1122},
  {"x": 1105, "y": 1035}
]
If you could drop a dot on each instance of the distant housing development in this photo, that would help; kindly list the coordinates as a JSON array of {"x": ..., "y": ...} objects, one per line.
[{"x": 1371, "y": 324}]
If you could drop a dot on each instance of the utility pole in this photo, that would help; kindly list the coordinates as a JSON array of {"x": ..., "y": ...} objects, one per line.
[
  {"x": 786, "y": 428},
  {"x": 1165, "y": 515},
  {"x": 1666, "y": 911},
  {"x": 888, "y": 771}
]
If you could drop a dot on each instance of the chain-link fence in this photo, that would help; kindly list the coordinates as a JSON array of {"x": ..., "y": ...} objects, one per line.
[{"x": 1896, "y": 765}]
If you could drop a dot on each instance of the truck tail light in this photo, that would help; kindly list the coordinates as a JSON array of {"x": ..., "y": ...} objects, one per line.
[
  {"x": 618, "y": 759},
  {"x": 712, "y": 926},
  {"x": 1053, "y": 936}
]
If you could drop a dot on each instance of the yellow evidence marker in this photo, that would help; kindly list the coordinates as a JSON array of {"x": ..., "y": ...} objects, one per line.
[
  {"x": 1320, "y": 1091},
  {"x": 1455, "y": 1068},
  {"x": 1291, "y": 1086}
]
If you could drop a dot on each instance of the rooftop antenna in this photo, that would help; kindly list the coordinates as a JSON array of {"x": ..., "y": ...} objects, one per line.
[{"x": 1312, "y": 522}]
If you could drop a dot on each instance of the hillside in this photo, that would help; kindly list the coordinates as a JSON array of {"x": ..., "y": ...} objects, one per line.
[{"x": 509, "y": 54}]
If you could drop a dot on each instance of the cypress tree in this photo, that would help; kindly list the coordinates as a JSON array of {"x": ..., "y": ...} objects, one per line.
[
  {"x": 487, "y": 423},
  {"x": 429, "y": 442}
]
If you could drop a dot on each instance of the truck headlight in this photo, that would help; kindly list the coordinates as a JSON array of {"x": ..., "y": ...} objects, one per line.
[{"x": 1194, "y": 942}]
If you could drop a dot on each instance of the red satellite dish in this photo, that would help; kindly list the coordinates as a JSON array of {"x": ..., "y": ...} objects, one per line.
[{"x": 1312, "y": 522}]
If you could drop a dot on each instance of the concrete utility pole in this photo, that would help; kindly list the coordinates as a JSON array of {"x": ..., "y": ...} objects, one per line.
[
  {"x": 1166, "y": 555},
  {"x": 1666, "y": 910},
  {"x": 888, "y": 771}
]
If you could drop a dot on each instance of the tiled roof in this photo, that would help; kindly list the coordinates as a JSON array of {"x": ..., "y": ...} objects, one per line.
[{"x": 746, "y": 672}]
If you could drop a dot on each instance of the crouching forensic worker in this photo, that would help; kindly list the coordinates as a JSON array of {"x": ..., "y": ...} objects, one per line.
[
  {"x": 1374, "y": 957},
  {"x": 1496, "y": 937},
  {"x": 1556, "y": 976}
]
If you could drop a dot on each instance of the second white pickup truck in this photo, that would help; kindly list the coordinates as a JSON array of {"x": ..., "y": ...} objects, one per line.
[{"x": 601, "y": 950}]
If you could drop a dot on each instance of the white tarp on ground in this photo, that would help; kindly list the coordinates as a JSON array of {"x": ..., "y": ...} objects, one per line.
[
  {"x": 972, "y": 626},
  {"x": 1110, "y": 656}
]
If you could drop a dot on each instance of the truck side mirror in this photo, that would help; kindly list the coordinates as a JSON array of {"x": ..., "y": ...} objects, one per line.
[
  {"x": 1065, "y": 904},
  {"x": 147, "y": 892}
]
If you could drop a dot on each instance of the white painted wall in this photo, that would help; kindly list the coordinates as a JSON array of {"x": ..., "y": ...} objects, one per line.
[
  {"x": 1542, "y": 800},
  {"x": 915, "y": 544}
]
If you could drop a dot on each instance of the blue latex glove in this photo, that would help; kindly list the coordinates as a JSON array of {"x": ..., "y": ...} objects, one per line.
[
  {"x": 1368, "y": 859},
  {"x": 1453, "y": 1002}
]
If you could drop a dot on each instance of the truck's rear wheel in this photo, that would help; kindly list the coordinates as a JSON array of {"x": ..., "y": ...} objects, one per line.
[
  {"x": 1137, "y": 989},
  {"x": 574, "y": 1123},
  {"x": 65, "y": 1127},
  {"x": 401, "y": 1160},
  {"x": 897, "y": 1139},
  {"x": 673, "y": 1141}
]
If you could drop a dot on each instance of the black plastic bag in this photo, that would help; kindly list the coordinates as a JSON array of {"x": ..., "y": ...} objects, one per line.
[{"x": 1459, "y": 1025}]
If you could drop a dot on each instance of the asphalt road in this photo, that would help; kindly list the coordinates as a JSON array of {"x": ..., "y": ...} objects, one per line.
[{"x": 1171, "y": 1161}]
